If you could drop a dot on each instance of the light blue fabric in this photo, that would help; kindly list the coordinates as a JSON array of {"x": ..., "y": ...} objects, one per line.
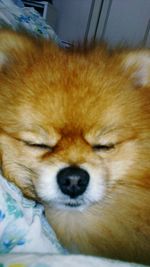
[
  {"x": 23, "y": 227},
  {"x": 27, "y": 18}
]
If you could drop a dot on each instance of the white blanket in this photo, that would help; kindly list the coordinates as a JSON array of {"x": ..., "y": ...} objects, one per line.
[{"x": 60, "y": 261}]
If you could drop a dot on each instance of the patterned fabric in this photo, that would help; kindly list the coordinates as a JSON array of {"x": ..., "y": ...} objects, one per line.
[
  {"x": 23, "y": 227},
  {"x": 27, "y": 18}
]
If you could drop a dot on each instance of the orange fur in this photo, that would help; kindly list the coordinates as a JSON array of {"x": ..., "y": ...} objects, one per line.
[{"x": 72, "y": 101}]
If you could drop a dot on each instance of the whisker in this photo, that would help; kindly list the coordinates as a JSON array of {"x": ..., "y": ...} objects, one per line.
[{"x": 29, "y": 170}]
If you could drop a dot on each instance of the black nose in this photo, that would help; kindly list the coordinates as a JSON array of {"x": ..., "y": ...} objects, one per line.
[{"x": 73, "y": 181}]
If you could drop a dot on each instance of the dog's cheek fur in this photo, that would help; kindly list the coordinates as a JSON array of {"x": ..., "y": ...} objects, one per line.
[{"x": 17, "y": 166}]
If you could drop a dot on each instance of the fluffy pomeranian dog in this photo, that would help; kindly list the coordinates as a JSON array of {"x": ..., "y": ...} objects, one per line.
[{"x": 75, "y": 135}]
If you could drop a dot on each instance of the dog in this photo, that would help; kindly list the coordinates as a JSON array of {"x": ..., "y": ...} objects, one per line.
[{"x": 75, "y": 136}]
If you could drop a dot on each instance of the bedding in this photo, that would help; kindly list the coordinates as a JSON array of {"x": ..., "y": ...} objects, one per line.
[
  {"x": 17, "y": 16},
  {"x": 26, "y": 239},
  {"x": 34, "y": 260},
  {"x": 23, "y": 226}
]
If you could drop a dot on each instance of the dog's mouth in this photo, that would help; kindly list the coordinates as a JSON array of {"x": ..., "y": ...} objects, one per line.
[{"x": 72, "y": 205}]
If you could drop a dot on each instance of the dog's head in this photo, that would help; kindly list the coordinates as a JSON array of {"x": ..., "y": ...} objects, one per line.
[{"x": 72, "y": 125}]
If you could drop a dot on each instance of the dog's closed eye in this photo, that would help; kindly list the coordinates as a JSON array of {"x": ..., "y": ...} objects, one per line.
[
  {"x": 100, "y": 147},
  {"x": 39, "y": 146}
]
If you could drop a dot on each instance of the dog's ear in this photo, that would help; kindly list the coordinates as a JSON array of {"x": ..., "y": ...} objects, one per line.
[
  {"x": 14, "y": 47},
  {"x": 137, "y": 65}
]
